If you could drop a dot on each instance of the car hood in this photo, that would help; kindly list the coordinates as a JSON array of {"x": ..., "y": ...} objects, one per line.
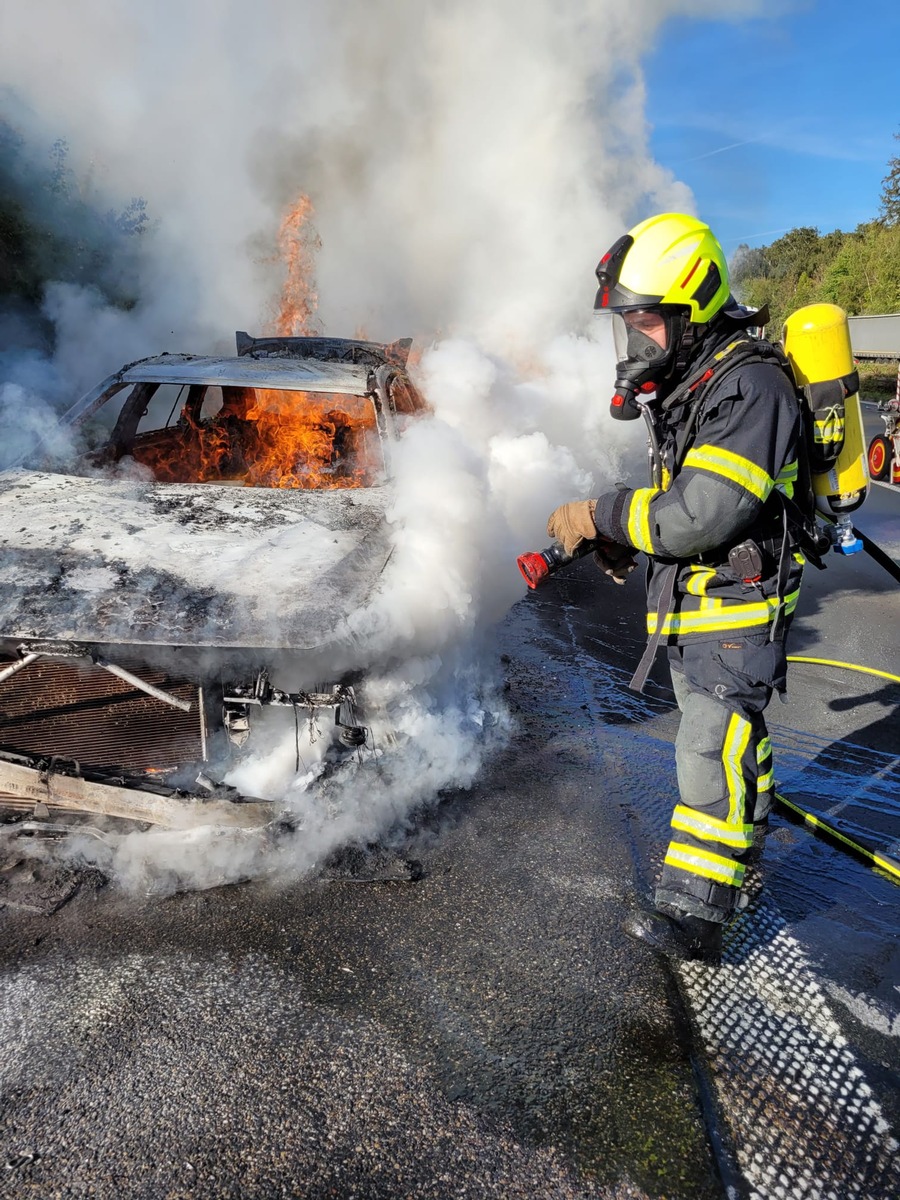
[{"x": 100, "y": 560}]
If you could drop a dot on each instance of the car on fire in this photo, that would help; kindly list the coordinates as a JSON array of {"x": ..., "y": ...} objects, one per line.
[{"x": 213, "y": 526}]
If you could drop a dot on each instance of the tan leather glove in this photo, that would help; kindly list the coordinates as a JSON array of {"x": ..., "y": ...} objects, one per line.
[
  {"x": 614, "y": 560},
  {"x": 571, "y": 524}
]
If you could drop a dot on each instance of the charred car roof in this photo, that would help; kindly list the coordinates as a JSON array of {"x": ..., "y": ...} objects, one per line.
[
  {"x": 288, "y": 374},
  {"x": 339, "y": 366}
]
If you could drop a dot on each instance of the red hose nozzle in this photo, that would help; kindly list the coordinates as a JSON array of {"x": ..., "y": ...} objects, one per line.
[
  {"x": 539, "y": 565},
  {"x": 534, "y": 567}
]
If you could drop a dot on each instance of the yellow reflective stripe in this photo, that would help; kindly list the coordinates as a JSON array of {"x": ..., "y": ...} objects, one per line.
[
  {"x": 788, "y": 472},
  {"x": 765, "y": 780},
  {"x": 731, "y": 466},
  {"x": 698, "y": 579},
  {"x": 829, "y": 428},
  {"x": 705, "y": 863},
  {"x": 729, "y": 616},
  {"x": 639, "y": 518},
  {"x": 737, "y": 739},
  {"x": 711, "y": 829},
  {"x": 787, "y": 477},
  {"x": 666, "y": 478},
  {"x": 708, "y": 603},
  {"x": 728, "y": 349}
]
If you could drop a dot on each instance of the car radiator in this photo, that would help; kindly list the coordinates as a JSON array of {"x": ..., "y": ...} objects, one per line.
[{"x": 77, "y": 711}]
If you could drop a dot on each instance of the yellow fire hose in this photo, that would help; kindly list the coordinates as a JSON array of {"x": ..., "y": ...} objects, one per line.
[
  {"x": 846, "y": 840},
  {"x": 828, "y": 828},
  {"x": 831, "y": 662}
]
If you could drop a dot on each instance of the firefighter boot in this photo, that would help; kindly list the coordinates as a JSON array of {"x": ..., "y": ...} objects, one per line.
[{"x": 679, "y": 935}]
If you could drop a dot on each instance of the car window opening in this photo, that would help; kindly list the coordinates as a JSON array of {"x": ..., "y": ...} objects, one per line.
[{"x": 259, "y": 437}]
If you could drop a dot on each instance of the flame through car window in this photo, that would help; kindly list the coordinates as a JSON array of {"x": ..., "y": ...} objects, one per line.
[{"x": 264, "y": 438}]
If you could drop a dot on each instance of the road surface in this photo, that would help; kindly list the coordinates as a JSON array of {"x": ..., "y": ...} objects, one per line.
[{"x": 489, "y": 1030}]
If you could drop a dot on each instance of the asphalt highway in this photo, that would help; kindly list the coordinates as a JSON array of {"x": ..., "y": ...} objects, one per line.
[
  {"x": 485, "y": 1031},
  {"x": 488, "y": 1030}
]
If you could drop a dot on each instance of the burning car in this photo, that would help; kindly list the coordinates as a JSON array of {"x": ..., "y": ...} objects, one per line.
[{"x": 215, "y": 524}]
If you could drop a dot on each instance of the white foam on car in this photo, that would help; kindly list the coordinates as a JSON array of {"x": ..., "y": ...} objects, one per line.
[{"x": 95, "y": 559}]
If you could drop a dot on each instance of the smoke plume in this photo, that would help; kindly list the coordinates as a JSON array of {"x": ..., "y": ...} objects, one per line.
[{"x": 466, "y": 165}]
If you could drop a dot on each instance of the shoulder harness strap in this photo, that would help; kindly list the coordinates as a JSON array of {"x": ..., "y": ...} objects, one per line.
[
  {"x": 799, "y": 517},
  {"x": 696, "y": 387}
]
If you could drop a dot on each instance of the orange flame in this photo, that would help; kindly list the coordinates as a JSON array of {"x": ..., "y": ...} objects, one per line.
[
  {"x": 308, "y": 440},
  {"x": 297, "y": 246},
  {"x": 272, "y": 438}
]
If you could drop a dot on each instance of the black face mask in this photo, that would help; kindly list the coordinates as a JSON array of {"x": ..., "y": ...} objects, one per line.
[
  {"x": 644, "y": 367},
  {"x": 641, "y": 348}
]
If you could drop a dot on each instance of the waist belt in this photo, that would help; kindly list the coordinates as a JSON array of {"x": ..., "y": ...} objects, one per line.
[{"x": 778, "y": 549}]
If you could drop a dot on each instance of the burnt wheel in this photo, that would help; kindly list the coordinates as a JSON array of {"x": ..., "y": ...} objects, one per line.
[{"x": 879, "y": 455}]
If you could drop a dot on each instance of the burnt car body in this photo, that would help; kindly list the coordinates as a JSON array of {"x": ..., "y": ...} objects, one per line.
[{"x": 216, "y": 523}]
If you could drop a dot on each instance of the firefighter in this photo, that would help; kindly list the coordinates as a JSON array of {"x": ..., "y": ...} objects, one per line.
[{"x": 724, "y": 566}]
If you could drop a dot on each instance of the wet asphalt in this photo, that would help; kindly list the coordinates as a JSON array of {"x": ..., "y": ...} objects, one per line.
[{"x": 485, "y": 1031}]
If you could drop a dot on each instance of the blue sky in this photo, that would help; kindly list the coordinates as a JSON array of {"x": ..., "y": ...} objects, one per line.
[{"x": 780, "y": 121}]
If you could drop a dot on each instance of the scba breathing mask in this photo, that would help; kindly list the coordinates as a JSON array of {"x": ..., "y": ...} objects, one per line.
[{"x": 646, "y": 343}]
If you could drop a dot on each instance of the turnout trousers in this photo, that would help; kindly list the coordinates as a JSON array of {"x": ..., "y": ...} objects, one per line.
[{"x": 723, "y": 757}]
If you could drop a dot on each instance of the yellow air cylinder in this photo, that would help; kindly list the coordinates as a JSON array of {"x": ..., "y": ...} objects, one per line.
[{"x": 816, "y": 341}]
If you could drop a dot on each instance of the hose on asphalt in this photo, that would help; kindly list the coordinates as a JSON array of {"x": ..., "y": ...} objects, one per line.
[
  {"x": 828, "y": 828},
  {"x": 831, "y": 831},
  {"x": 876, "y": 553},
  {"x": 833, "y": 662}
]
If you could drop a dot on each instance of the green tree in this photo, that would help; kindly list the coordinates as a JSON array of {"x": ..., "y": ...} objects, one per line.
[
  {"x": 796, "y": 253},
  {"x": 845, "y": 280},
  {"x": 749, "y": 262},
  {"x": 50, "y": 230},
  {"x": 883, "y": 269},
  {"x": 890, "y": 191}
]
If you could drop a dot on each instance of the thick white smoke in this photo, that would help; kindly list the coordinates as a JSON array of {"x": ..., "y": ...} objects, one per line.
[{"x": 467, "y": 164}]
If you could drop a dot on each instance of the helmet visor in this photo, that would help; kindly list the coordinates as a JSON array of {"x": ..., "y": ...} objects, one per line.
[{"x": 643, "y": 335}]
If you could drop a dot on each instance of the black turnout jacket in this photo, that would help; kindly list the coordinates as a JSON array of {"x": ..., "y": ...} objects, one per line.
[{"x": 728, "y": 440}]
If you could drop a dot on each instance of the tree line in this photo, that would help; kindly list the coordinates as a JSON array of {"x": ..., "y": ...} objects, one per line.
[
  {"x": 53, "y": 226},
  {"x": 860, "y": 271}
]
